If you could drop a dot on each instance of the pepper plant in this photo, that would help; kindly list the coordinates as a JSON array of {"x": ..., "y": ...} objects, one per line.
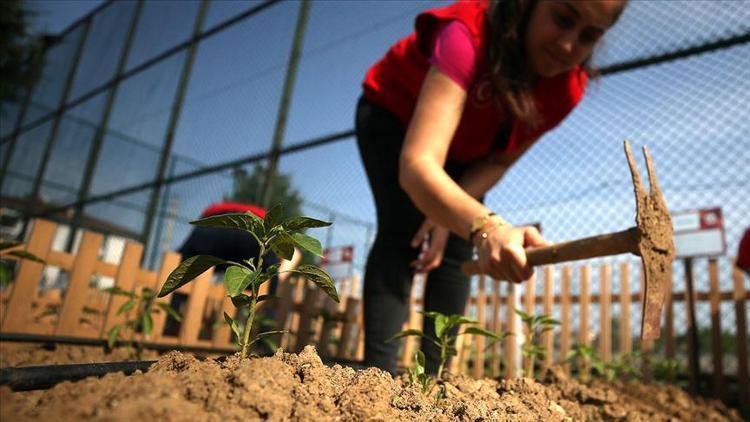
[
  {"x": 8, "y": 248},
  {"x": 668, "y": 369},
  {"x": 142, "y": 320},
  {"x": 535, "y": 326},
  {"x": 624, "y": 365},
  {"x": 443, "y": 339},
  {"x": 243, "y": 279},
  {"x": 417, "y": 375},
  {"x": 588, "y": 359}
]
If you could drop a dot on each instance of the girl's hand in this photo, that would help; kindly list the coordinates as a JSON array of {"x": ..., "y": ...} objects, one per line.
[
  {"x": 435, "y": 237},
  {"x": 502, "y": 253}
]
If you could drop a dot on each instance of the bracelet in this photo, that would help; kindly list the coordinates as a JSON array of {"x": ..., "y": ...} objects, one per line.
[{"x": 479, "y": 224}]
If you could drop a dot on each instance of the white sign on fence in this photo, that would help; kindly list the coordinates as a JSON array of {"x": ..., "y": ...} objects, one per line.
[{"x": 699, "y": 233}]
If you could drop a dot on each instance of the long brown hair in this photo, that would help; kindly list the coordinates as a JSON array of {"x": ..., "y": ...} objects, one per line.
[{"x": 510, "y": 74}]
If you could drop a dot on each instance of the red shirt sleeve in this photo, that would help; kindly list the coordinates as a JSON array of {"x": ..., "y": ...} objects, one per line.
[{"x": 454, "y": 54}]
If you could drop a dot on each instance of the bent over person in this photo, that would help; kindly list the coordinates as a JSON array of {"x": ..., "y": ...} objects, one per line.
[{"x": 443, "y": 115}]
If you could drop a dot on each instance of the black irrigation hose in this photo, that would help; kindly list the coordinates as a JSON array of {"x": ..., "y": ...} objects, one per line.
[
  {"x": 41, "y": 377},
  {"x": 46, "y": 376},
  {"x": 36, "y": 338}
]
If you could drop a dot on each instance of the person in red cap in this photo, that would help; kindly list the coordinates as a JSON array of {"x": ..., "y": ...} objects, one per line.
[
  {"x": 443, "y": 115},
  {"x": 230, "y": 245},
  {"x": 227, "y": 244}
]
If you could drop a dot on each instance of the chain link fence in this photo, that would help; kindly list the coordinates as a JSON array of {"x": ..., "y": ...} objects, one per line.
[{"x": 87, "y": 145}]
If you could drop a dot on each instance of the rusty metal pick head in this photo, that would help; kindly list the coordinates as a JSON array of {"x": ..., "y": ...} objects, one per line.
[{"x": 655, "y": 245}]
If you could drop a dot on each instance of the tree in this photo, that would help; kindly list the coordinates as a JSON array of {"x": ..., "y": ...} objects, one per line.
[
  {"x": 20, "y": 53},
  {"x": 248, "y": 190}
]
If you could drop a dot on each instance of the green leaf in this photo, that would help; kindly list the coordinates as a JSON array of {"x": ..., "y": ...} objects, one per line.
[
  {"x": 187, "y": 271},
  {"x": 273, "y": 217},
  {"x": 441, "y": 324},
  {"x": 126, "y": 307},
  {"x": 236, "y": 279},
  {"x": 524, "y": 316},
  {"x": 170, "y": 311},
  {"x": 430, "y": 314},
  {"x": 270, "y": 333},
  {"x": 263, "y": 298},
  {"x": 241, "y": 300},
  {"x": 308, "y": 243},
  {"x": 114, "y": 290},
  {"x": 270, "y": 343},
  {"x": 247, "y": 222},
  {"x": 7, "y": 244},
  {"x": 113, "y": 334},
  {"x": 261, "y": 336},
  {"x": 233, "y": 324},
  {"x": 455, "y": 320},
  {"x": 6, "y": 275},
  {"x": 148, "y": 323},
  {"x": 570, "y": 355},
  {"x": 420, "y": 362},
  {"x": 147, "y": 293},
  {"x": 407, "y": 333},
  {"x": 482, "y": 332},
  {"x": 283, "y": 246},
  {"x": 271, "y": 271},
  {"x": 320, "y": 278},
  {"x": 301, "y": 223},
  {"x": 26, "y": 255}
]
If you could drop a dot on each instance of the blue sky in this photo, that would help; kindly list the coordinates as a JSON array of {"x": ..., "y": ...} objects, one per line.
[
  {"x": 692, "y": 113},
  {"x": 54, "y": 16}
]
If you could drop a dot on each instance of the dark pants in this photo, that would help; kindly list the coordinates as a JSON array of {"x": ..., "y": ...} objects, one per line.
[{"x": 388, "y": 277}]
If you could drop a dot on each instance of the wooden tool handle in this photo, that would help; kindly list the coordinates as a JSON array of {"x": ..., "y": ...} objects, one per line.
[{"x": 590, "y": 247}]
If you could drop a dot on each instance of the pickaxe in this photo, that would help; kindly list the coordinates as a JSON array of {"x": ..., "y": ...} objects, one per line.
[{"x": 651, "y": 239}]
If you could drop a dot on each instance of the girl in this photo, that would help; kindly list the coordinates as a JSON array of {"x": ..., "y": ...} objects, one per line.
[{"x": 444, "y": 114}]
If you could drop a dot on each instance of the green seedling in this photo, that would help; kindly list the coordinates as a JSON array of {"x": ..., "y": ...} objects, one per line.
[
  {"x": 273, "y": 233},
  {"x": 624, "y": 365},
  {"x": 443, "y": 339},
  {"x": 8, "y": 248},
  {"x": 535, "y": 326},
  {"x": 588, "y": 359},
  {"x": 142, "y": 320},
  {"x": 418, "y": 376},
  {"x": 668, "y": 369}
]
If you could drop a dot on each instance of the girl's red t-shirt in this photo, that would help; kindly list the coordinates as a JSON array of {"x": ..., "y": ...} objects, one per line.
[{"x": 395, "y": 81}]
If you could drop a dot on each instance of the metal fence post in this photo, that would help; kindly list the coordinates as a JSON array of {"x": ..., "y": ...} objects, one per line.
[
  {"x": 52, "y": 137},
  {"x": 15, "y": 133},
  {"x": 174, "y": 118},
  {"x": 286, "y": 96},
  {"x": 57, "y": 116},
  {"x": 96, "y": 144}
]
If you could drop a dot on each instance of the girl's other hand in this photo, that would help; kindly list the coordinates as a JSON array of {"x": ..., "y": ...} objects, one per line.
[
  {"x": 435, "y": 237},
  {"x": 502, "y": 253}
]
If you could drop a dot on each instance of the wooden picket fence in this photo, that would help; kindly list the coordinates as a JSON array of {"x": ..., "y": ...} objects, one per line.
[
  {"x": 496, "y": 312},
  {"x": 85, "y": 311}
]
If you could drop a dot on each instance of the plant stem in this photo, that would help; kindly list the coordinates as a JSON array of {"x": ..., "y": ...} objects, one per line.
[
  {"x": 248, "y": 327},
  {"x": 443, "y": 358},
  {"x": 133, "y": 329},
  {"x": 251, "y": 314},
  {"x": 530, "y": 367}
]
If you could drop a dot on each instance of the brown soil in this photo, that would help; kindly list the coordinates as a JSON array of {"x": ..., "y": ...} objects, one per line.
[
  {"x": 299, "y": 387},
  {"x": 27, "y": 354}
]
